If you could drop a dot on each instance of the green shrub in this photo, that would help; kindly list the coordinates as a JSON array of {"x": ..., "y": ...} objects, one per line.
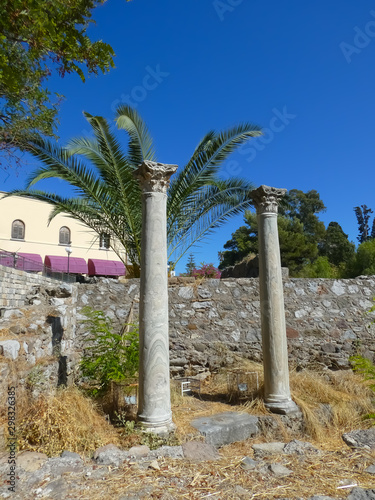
[
  {"x": 366, "y": 368},
  {"x": 108, "y": 355}
]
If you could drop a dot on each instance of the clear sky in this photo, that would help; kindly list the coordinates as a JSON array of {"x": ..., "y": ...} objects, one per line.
[{"x": 305, "y": 71}]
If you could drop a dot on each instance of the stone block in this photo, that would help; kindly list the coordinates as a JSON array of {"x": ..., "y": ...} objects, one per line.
[
  {"x": 199, "y": 452},
  {"x": 263, "y": 449},
  {"x": 10, "y": 348},
  {"x": 225, "y": 428}
]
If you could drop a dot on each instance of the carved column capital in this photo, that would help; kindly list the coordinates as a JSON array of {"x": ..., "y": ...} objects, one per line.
[
  {"x": 266, "y": 199},
  {"x": 154, "y": 177}
]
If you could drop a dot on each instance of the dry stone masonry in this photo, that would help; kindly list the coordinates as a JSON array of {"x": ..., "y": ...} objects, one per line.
[
  {"x": 210, "y": 322},
  {"x": 15, "y": 285}
]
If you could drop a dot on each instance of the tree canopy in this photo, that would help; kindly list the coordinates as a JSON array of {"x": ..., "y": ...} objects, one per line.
[
  {"x": 362, "y": 214},
  {"x": 306, "y": 247},
  {"x": 38, "y": 38}
]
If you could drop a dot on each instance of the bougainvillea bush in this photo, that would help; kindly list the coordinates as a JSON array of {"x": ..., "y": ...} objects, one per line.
[{"x": 206, "y": 271}]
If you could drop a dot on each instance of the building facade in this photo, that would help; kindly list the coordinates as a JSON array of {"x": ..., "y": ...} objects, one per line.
[{"x": 63, "y": 245}]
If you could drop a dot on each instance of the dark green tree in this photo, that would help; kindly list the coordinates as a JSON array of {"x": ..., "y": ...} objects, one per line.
[
  {"x": 296, "y": 248},
  {"x": 365, "y": 259},
  {"x": 363, "y": 216},
  {"x": 244, "y": 241},
  {"x": 300, "y": 232},
  {"x": 336, "y": 246},
  {"x": 190, "y": 265},
  {"x": 305, "y": 207},
  {"x": 39, "y": 38}
]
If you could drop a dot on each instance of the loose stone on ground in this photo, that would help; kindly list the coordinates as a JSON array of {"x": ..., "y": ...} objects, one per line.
[{"x": 228, "y": 427}]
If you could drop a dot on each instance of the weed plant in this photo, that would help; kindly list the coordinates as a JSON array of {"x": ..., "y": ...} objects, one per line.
[{"x": 108, "y": 356}]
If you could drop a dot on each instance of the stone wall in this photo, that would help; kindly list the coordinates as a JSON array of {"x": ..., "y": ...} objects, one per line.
[
  {"x": 211, "y": 321},
  {"x": 16, "y": 285},
  {"x": 37, "y": 340}
]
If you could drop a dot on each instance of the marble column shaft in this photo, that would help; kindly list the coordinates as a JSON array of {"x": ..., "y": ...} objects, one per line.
[
  {"x": 154, "y": 403},
  {"x": 274, "y": 342}
]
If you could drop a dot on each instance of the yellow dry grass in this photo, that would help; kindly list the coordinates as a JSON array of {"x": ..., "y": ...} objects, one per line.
[
  {"x": 64, "y": 421},
  {"x": 68, "y": 420},
  {"x": 331, "y": 402},
  {"x": 225, "y": 479},
  {"x": 349, "y": 399}
]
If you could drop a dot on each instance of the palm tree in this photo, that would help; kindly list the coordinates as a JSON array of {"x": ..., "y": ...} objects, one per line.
[{"x": 108, "y": 198}]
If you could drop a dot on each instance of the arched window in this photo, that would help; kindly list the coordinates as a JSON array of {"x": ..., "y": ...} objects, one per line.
[
  {"x": 104, "y": 241},
  {"x": 64, "y": 236},
  {"x": 18, "y": 230}
]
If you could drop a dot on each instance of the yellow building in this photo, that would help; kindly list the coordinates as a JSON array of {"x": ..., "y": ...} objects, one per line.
[{"x": 64, "y": 245}]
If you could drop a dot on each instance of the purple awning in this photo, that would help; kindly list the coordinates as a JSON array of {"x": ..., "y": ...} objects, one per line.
[
  {"x": 24, "y": 261},
  {"x": 58, "y": 264},
  {"x": 29, "y": 262},
  {"x": 98, "y": 267}
]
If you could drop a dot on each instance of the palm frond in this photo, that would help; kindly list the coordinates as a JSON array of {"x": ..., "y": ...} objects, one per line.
[
  {"x": 140, "y": 144},
  {"x": 211, "y": 208},
  {"x": 108, "y": 197},
  {"x": 205, "y": 162}
]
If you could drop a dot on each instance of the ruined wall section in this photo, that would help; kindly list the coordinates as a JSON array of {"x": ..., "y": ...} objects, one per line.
[
  {"x": 17, "y": 284},
  {"x": 37, "y": 341},
  {"x": 211, "y": 322},
  {"x": 327, "y": 320}
]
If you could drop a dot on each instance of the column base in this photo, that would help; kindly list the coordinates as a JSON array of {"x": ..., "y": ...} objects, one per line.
[
  {"x": 284, "y": 407},
  {"x": 161, "y": 429}
]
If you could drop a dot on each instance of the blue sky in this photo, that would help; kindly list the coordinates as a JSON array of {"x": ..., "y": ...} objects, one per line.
[{"x": 213, "y": 64}]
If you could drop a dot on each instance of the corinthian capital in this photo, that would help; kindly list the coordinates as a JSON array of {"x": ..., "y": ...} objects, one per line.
[
  {"x": 266, "y": 199},
  {"x": 154, "y": 176}
]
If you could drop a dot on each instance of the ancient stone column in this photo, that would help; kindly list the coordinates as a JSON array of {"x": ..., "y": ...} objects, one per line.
[
  {"x": 154, "y": 401},
  {"x": 275, "y": 355}
]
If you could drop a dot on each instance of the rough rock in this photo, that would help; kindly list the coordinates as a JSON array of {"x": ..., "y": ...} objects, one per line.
[
  {"x": 321, "y": 497},
  {"x": 279, "y": 470},
  {"x": 168, "y": 451},
  {"x": 62, "y": 291},
  {"x": 154, "y": 465},
  {"x": 110, "y": 455},
  {"x": 225, "y": 428},
  {"x": 139, "y": 451},
  {"x": 263, "y": 449},
  {"x": 10, "y": 348},
  {"x": 299, "y": 448},
  {"x": 13, "y": 313},
  {"x": 70, "y": 454},
  {"x": 371, "y": 469},
  {"x": 55, "y": 490},
  {"x": 360, "y": 439},
  {"x": 57, "y": 466},
  {"x": 248, "y": 463},
  {"x": 361, "y": 494},
  {"x": 198, "y": 451}
]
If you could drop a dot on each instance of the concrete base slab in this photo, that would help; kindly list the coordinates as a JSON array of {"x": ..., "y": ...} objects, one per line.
[{"x": 225, "y": 428}]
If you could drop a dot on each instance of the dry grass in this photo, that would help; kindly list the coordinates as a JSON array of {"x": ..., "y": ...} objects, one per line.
[
  {"x": 348, "y": 399},
  {"x": 64, "y": 421},
  {"x": 70, "y": 421},
  {"x": 226, "y": 480},
  {"x": 334, "y": 401}
]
